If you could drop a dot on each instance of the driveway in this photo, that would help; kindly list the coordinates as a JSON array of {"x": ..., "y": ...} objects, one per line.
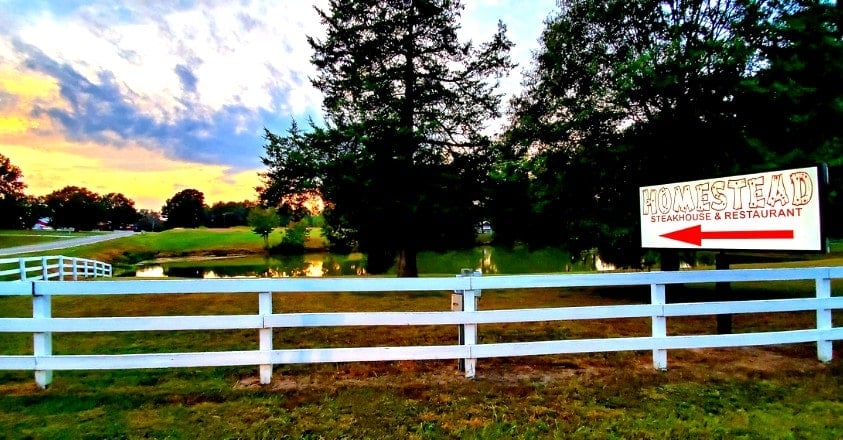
[{"x": 62, "y": 244}]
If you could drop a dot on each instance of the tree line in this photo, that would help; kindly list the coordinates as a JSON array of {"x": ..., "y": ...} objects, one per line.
[
  {"x": 619, "y": 95},
  {"x": 82, "y": 209}
]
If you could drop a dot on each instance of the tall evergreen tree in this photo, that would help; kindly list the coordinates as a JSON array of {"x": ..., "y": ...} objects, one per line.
[{"x": 401, "y": 158}]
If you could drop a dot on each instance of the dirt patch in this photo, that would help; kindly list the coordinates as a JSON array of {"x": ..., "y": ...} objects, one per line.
[{"x": 417, "y": 377}]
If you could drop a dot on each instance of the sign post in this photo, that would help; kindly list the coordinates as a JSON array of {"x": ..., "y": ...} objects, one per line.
[{"x": 776, "y": 210}]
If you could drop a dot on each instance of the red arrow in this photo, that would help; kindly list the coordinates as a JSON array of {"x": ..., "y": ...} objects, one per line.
[{"x": 695, "y": 235}]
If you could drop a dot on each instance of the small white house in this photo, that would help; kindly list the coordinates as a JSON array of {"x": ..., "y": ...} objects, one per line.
[{"x": 43, "y": 224}]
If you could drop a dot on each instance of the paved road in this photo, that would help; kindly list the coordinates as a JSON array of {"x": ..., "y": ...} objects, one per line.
[{"x": 62, "y": 244}]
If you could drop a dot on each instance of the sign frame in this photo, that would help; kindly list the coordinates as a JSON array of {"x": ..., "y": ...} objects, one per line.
[{"x": 773, "y": 210}]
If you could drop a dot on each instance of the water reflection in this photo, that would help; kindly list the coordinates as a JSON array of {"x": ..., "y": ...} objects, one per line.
[
  {"x": 486, "y": 259},
  {"x": 308, "y": 265}
]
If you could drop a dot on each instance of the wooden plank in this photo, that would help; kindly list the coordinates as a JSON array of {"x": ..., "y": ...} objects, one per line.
[
  {"x": 16, "y": 288},
  {"x": 645, "y": 278},
  {"x": 568, "y": 346},
  {"x": 265, "y": 335},
  {"x": 659, "y": 325},
  {"x": 825, "y": 350},
  {"x": 749, "y": 339},
  {"x": 17, "y": 362},
  {"x": 226, "y": 322},
  {"x": 366, "y": 354},
  {"x": 241, "y": 285},
  {"x": 131, "y": 323},
  {"x": 360, "y": 354},
  {"x": 456, "y": 318},
  {"x": 151, "y": 360},
  {"x": 434, "y": 283},
  {"x": 755, "y": 306},
  {"x": 240, "y": 358}
]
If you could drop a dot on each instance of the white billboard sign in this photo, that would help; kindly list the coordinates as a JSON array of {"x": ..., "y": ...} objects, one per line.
[{"x": 777, "y": 210}]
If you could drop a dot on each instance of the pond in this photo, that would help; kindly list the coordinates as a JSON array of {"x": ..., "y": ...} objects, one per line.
[{"x": 487, "y": 259}]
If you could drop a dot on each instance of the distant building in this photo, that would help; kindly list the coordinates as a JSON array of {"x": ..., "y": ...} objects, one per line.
[
  {"x": 43, "y": 224},
  {"x": 484, "y": 227}
]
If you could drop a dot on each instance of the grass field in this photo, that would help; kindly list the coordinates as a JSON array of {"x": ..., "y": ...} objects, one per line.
[
  {"x": 779, "y": 392},
  {"x": 11, "y": 238},
  {"x": 768, "y": 392},
  {"x": 170, "y": 243}
]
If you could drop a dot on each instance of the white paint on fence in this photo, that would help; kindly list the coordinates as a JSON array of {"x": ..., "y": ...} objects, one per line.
[
  {"x": 42, "y": 324},
  {"x": 53, "y": 268}
]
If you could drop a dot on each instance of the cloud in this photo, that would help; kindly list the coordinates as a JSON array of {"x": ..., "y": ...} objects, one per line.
[
  {"x": 145, "y": 176},
  {"x": 187, "y": 78},
  {"x": 7, "y": 100},
  {"x": 197, "y": 81},
  {"x": 125, "y": 89}
]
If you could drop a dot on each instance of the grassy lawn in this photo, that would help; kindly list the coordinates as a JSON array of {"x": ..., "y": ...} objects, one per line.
[
  {"x": 757, "y": 392},
  {"x": 12, "y": 238},
  {"x": 184, "y": 242},
  {"x": 777, "y": 392}
]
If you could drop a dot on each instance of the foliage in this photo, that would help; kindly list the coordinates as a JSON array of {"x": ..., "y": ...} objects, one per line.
[
  {"x": 149, "y": 220},
  {"x": 11, "y": 184},
  {"x": 293, "y": 242},
  {"x": 228, "y": 214},
  {"x": 75, "y": 207},
  {"x": 794, "y": 103},
  {"x": 263, "y": 221},
  {"x": 120, "y": 211},
  {"x": 401, "y": 159},
  {"x": 11, "y": 194},
  {"x": 627, "y": 94},
  {"x": 185, "y": 209}
]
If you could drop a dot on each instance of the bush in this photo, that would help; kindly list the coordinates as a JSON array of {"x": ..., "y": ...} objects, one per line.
[{"x": 293, "y": 241}]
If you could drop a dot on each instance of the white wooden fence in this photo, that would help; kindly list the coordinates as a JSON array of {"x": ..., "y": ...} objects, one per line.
[
  {"x": 43, "y": 361},
  {"x": 52, "y": 268}
]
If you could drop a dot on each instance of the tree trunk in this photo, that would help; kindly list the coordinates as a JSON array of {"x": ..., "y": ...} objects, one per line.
[
  {"x": 407, "y": 266},
  {"x": 670, "y": 262}
]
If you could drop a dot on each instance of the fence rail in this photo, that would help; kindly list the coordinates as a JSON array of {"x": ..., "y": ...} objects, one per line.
[
  {"x": 465, "y": 287},
  {"x": 52, "y": 268}
]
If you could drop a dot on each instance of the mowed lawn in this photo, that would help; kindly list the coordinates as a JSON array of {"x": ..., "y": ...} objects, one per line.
[
  {"x": 12, "y": 237},
  {"x": 762, "y": 392},
  {"x": 176, "y": 243}
]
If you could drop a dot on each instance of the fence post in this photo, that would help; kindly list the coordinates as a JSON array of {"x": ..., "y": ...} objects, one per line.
[
  {"x": 75, "y": 269},
  {"x": 42, "y": 341},
  {"x": 265, "y": 335},
  {"x": 657, "y": 297},
  {"x": 61, "y": 268},
  {"x": 22, "y": 267},
  {"x": 44, "y": 274},
  {"x": 466, "y": 300},
  {"x": 824, "y": 348}
]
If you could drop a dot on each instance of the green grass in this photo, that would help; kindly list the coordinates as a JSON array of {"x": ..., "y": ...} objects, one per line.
[
  {"x": 12, "y": 238},
  {"x": 779, "y": 392},
  {"x": 755, "y": 393},
  {"x": 183, "y": 242}
]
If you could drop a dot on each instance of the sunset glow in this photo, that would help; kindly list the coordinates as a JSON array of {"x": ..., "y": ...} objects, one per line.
[{"x": 148, "y": 99}]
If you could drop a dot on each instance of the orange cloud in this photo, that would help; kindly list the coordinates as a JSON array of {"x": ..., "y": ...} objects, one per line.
[
  {"x": 50, "y": 161},
  {"x": 145, "y": 176}
]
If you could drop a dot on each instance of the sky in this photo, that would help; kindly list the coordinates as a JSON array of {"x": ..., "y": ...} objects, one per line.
[{"x": 148, "y": 98}]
